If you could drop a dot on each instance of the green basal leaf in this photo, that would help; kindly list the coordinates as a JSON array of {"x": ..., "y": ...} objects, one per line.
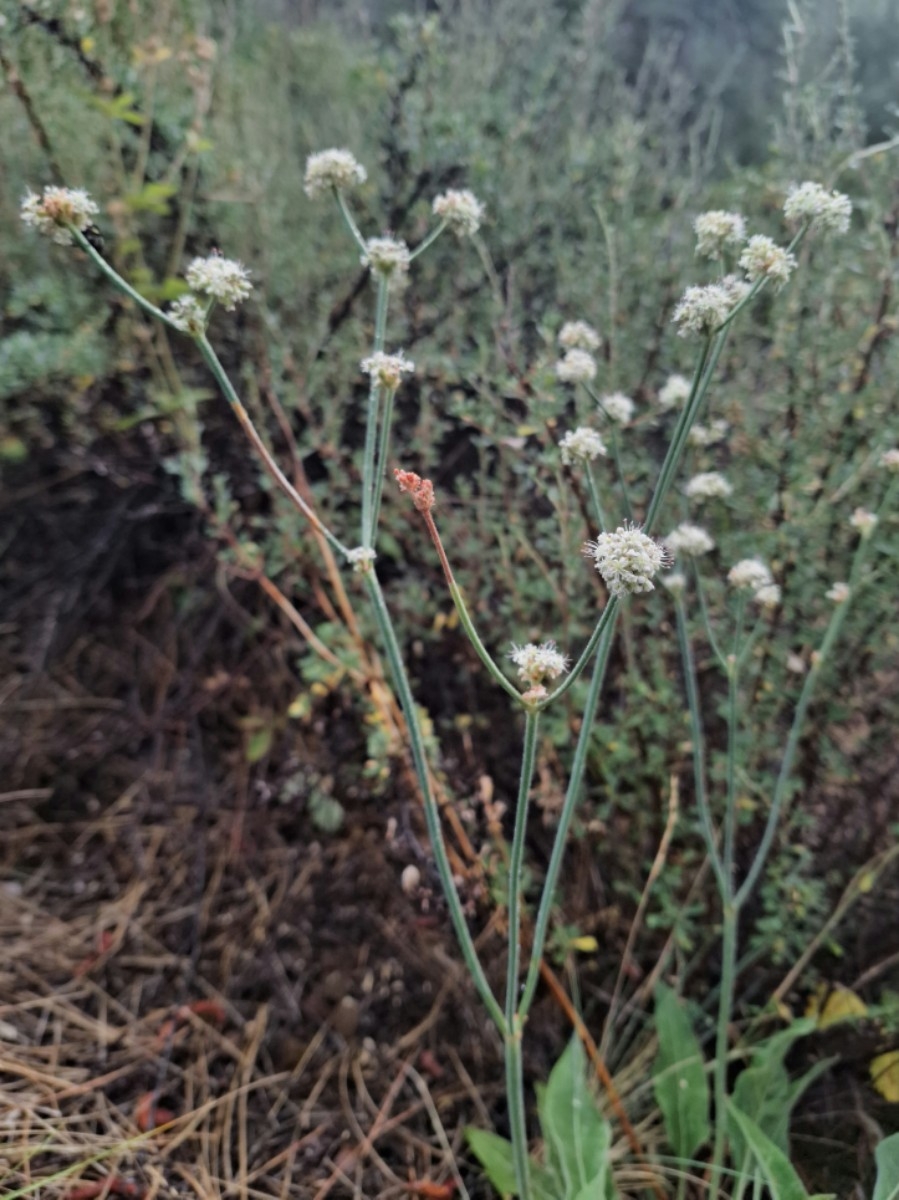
[
  {"x": 776, "y": 1169},
  {"x": 576, "y": 1134},
  {"x": 887, "y": 1158},
  {"x": 494, "y": 1153},
  {"x": 679, "y": 1077}
]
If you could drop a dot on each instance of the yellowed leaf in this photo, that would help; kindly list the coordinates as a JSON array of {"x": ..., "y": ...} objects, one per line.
[
  {"x": 885, "y": 1075},
  {"x": 833, "y": 1003}
]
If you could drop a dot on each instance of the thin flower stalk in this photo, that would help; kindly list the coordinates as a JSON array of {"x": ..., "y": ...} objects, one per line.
[
  {"x": 349, "y": 220},
  {"x": 431, "y": 811},
  {"x": 427, "y": 242},
  {"x": 595, "y": 497},
  {"x": 606, "y": 620},
  {"x": 371, "y": 491},
  {"x": 121, "y": 284}
]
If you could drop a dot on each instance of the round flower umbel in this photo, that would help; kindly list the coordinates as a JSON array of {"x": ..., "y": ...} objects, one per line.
[
  {"x": 461, "y": 210},
  {"x": 332, "y": 169},
  {"x": 824, "y": 211},
  {"x": 222, "y": 279},
  {"x": 362, "y": 558},
  {"x": 889, "y": 460},
  {"x": 387, "y": 370},
  {"x": 578, "y": 335},
  {"x": 763, "y": 257},
  {"x": 689, "y": 540},
  {"x": 576, "y": 367},
  {"x": 749, "y": 575},
  {"x": 627, "y": 559},
  {"x": 674, "y": 392},
  {"x": 581, "y": 444},
  {"x": 839, "y": 593},
  {"x": 387, "y": 258},
  {"x": 617, "y": 407},
  {"x": 702, "y": 309},
  {"x": 57, "y": 211},
  {"x": 864, "y": 521},
  {"x": 188, "y": 315},
  {"x": 708, "y": 435},
  {"x": 716, "y": 231},
  {"x": 537, "y": 664},
  {"x": 708, "y": 485}
]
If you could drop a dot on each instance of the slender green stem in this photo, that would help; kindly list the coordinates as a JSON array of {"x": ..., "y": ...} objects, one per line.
[
  {"x": 431, "y": 811},
  {"x": 730, "y": 918},
  {"x": 120, "y": 284},
  {"x": 428, "y": 241},
  {"x": 514, "y": 1028},
  {"x": 371, "y": 428},
  {"x": 350, "y": 223},
  {"x": 706, "y": 617},
  {"x": 730, "y": 807},
  {"x": 381, "y": 459},
  {"x": 606, "y": 621},
  {"x": 697, "y": 739},
  {"x": 578, "y": 767},
  {"x": 619, "y": 470},
  {"x": 480, "y": 649},
  {"x": 594, "y": 496}
]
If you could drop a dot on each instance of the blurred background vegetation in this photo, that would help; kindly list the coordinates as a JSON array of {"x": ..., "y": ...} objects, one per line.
[{"x": 594, "y": 131}]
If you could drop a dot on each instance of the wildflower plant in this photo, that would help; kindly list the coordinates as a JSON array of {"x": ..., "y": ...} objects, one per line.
[{"x": 627, "y": 555}]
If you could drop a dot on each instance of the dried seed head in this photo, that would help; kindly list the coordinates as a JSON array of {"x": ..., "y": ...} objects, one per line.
[
  {"x": 332, "y": 169},
  {"x": 57, "y": 211},
  {"x": 627, "y": 559},
  {"x": 421, "y": 490}
]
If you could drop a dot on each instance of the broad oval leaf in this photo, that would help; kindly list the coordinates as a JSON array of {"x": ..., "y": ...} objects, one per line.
[
  {"x": 887, "y": 1158},
  {"x": 679, "y": 1076},
  {"x": 576, "y": 1134},
  {"x": 777, "y": 1170}
]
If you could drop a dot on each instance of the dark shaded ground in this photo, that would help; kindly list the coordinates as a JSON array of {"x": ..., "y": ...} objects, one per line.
[{"x": 177, "y": 933}]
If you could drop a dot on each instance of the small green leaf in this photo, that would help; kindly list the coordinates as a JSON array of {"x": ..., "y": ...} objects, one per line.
[
  {"x": 779, "y": 1174},
  {"x": 887, "y": 1158},
  {"x": 259, "y": 743},
  {"x": 679, "y": 1077},
  {"x": 576, "y": 1133},
  {"x": 494, "y": 1154}
]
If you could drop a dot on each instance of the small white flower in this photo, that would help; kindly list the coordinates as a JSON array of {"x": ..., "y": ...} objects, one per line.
[
  {"x": 675, "y": 582},
  {"x": 708, "y": 485},
  {"x": 617, "y": 407},
  {"x": 332, "y": 169},
  {"x": 763, "y": 256},
  {"x": 735, "y": 288},
  {"x": 689, "y": 540},
  {"x": 538, "y": 663},
  {"x": 387, "y": 257},
  {"x": 717, "y": 230},
  {"x": 578, "y": 335},
  {"x": 839, "y": 593},
  {"x": 749, "y": 574},
  {"x": 708, "y": 435},
  {"x": 462, "y": 211},
  {"x": 889, "y": 460},
  {"x": 627, "y": 559},
  {"x": 581, "y": 443},
  {"x": 674, "y": 391},
  {"x": 824, "y": 210},
  {"x": 57, "y": 210},
  {"x": 863, "y": 521},
  {"x": 768, "y": 595},
  {"x": 387, "y": 369},
  {"x": 702, "y": 309},
  {"x": 221, "y": 278},
  {"x": 188, "y": 315},
  {"x": 362, "y": 558},
  {"x": 576, "y": 367}
]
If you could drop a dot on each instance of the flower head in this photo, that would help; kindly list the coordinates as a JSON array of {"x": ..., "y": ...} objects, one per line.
[
  {"x": 708, "y": 435},
  {"x": 387, "y": 370},
  {"x": 735, "y": 288},
  {"x": 689, "y": 540},
  {"x": 387, "y": 257},
  {"x": 749, "y": 574},
  {"x": 332, "y": 169},
  {"x": 57, "y": 211},
  {"x": 617, "y": 407},
  {"x": 702, "y": 309},
  {"x": 823, "y": 210},
  {"x": 674, "y": 391},
  {"x": 675, "y": 582},
  {"x": 576, "y": 367},
  {"x": 188, "y": 315},
  {"x": 768, "y": 595},
  {"x": 361, "y": 558},
  {"x": 578, "y": 335},
  {"x": 864, "y": 521},
  {"x": 536, "y": 664},
  {"x": 583, "y": 444},
  {"x": 421, "y": 490},
  {"x": 839, "y": 593},
  {"x": 461, "y": 210},
  {"x": 763, "y": 257},
  {"x": 717, "y": 230},
  {"x": 221, "y": 278},
  {"x": 889, "y": 460},
  {"x": 627, "y": 559},
  {"x": 708, "y": 485}
]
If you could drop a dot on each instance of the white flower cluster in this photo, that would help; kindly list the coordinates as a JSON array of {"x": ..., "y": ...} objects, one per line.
[
  {"x": 188, "y": 315},
  {"x": 578, "y": 335},
  {"x": 717, "y": 230},
  {"x": 581, "y": 444},
  {"x": 387, "y": 257},
  {"x": 576, "y": 367},
  {"x": 675, "y": 582},
  {"x": 864, "y": 521},
  {"x": 674, "y": 392},
  {"x": 708, "y": 435},
  {"x": 361, "y": 558},
  {"x": 708, "y": 485},
  {"x": 387, "y": 370},
  {"x": 57, "y": 211},
  {"x": 839, "y": 593},
  {"x": 332, "y": 169},
  {"x": 689, "y": 540},
  {"x": 462, "y": 211},
  {"x": 752, "y": 575},
  {"x": 823, "y": 210},
  {"x": 889, "y": 460},
  {"x": 617, "y": 407},
  {"x": 222, "y": 279},
  {"x": 627, "y": 559},
  {"x": 536, "y": 664},
  {"x": 763, "y": 257},
  {"x": 702, "y": 309}
]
